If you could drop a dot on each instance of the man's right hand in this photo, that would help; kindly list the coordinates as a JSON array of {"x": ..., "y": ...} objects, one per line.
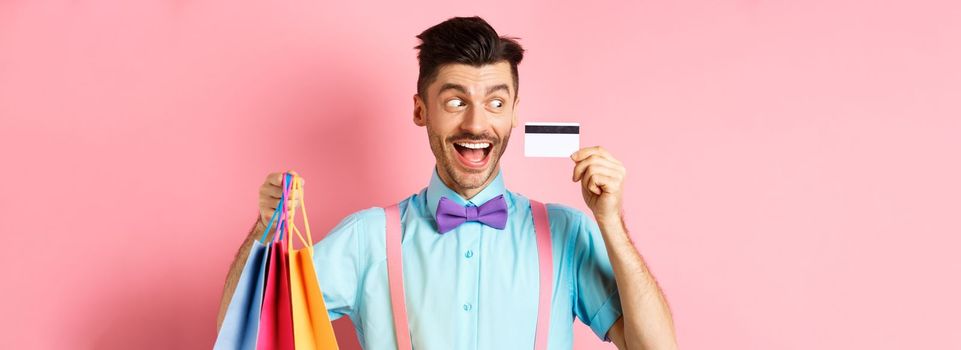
[{"x": 270, "y": 193}]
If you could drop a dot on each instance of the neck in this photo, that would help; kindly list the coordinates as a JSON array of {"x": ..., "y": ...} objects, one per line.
[{"x": 467, "y": 193}]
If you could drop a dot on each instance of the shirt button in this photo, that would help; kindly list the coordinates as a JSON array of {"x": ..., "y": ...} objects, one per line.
[
  {"x": 469, "y": 254},
  {"x": 467, "y": 307}
]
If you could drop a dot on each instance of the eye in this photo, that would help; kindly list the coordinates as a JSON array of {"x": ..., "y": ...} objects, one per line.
[
  {"x": 497, "y": 104},
  {"x": 455, "y": 103}
]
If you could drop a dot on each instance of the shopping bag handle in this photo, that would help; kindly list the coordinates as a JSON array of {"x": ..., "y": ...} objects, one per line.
[
  {"x": 281, "y": 210},
  {"x": 308, "y": 243}
]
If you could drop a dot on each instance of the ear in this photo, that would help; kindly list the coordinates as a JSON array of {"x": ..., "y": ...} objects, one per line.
[
  {"x": 420, "y": 111},
  {"x": 517, "y": 101}
]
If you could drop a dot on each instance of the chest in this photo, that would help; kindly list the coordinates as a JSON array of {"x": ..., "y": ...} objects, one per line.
[{"x": 478, "y": 286}]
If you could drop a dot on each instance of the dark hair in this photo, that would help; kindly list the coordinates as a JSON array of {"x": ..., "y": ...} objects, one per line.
[{"x": 466, "y": 40}]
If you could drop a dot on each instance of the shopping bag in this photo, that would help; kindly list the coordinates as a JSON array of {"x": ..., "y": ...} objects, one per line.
[
  {"x": 312, "y": 327},
  {"x": 276, "y": 324},
  {"x": 238, "y": 331},
  {"x": 241, "y": 323}
]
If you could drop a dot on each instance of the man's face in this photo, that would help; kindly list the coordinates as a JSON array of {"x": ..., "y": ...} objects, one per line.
[{"x": 469, "y": 113}]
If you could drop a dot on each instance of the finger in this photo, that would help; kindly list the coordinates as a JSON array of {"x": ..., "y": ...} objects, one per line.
[
  {"x": 579, "y": 168},
  {"x": 295, "y": 176},
  {"x": 268, "y": 207},
  {"x": 271, "y": 203},
  {"x": 275, "y": 179},
  {"x": 596, "y": 183},
  {"x": 276, "y": 192},
  {"x": 615, "y": 175},
  {"x": 267, "y": 212},
  {"x": 599, "y": 183},
  {"x": 278, "y": 179},
  {"x": 607, "y": 155},
  {"x": 608, "y": 183},
  {"x": 601, "y": 174},
  {"x": 582, "y": 165},
  {"x": 299, "y": 179},
  {"x": 592, "y": 186},
  {"x": 588, "y": 151},
  {"x": 270, "y": 191},
  {"x": 582, "y": 153},
  {"x": 587, "y": 185},
  {"x": 596, "y": 150},
  {"x": 293, "y": 193},
  {"x": 268, "y": 202}
]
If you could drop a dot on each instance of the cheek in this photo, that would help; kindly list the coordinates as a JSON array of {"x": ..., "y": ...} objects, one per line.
[
  {"x": 504, "y": 128},
  {"x": 440, "y": 126},
  {"x": 437, "y": 135}
]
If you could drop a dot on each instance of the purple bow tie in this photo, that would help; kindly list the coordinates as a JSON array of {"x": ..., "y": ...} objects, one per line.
[{"x": 449, "y": 214}]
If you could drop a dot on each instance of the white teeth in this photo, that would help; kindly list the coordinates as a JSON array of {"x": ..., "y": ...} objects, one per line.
[{"x": 474, "y": 145}]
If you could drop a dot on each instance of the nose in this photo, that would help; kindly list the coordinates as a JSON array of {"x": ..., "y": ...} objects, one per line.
[{"x": 475, "y": 121}]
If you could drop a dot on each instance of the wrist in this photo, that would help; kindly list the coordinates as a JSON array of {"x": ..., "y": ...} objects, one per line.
[
  {"x": 259, "y": 228},
  {"x": 615, "y": 218}
]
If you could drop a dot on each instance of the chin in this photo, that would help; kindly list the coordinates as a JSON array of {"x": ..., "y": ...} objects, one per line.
[
  {"x": 466, "y": 178},
  {"x": 471, "y": 180}
]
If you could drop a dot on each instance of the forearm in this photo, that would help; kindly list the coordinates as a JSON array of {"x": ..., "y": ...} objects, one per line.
[
  {"x": 647, "y": 318},
  {"x": 236, "y": 268}
]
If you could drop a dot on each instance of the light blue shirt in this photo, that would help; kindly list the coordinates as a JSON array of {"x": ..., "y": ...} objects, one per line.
[{"x": 475, "y": 287}]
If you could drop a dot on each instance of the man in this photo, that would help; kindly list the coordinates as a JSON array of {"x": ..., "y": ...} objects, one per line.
[{"x": 474, "y": 286}]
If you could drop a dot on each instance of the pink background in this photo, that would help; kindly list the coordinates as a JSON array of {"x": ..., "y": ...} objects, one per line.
[{"x": 793, "y": 165}]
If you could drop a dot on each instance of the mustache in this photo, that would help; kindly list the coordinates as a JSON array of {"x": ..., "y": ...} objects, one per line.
[{"x": 473, "y": 138}]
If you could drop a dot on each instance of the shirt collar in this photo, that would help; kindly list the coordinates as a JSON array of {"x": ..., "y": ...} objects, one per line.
[{"x": 437, "y": 188}]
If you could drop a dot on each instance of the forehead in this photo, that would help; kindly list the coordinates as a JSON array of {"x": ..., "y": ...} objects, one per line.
[{"x": 475, "y": 79}]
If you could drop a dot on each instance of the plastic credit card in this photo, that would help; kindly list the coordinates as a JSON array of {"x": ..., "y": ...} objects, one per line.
[{"x": 547, "y": 139}]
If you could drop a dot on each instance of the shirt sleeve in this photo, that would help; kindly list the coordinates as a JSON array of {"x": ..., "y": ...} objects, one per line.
[
  {"x": 597, "y": 302},
  {"x": 339, "y": 260}
]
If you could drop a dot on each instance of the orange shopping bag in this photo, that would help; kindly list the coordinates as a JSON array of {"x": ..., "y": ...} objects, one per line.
[{"x": 312, "y": 327}]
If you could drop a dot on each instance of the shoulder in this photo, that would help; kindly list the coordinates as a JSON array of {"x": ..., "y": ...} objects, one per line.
[
  {"x": 368, "y": 220},
  {"x": 364, "y": 216},
  {"x": 360, "y": 232},
  {"x": 577, "y": 225},
  {"x": 566, "y": 213},
  {"x": 358, "y": 222},
  {"x": 562, "y": 216}
]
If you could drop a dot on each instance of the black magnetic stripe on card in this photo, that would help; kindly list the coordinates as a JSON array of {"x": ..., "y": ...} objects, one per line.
[{"x": 552, "y": 129}]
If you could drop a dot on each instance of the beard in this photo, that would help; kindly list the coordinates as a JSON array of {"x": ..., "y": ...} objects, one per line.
[{"x": 465, "y": 178}]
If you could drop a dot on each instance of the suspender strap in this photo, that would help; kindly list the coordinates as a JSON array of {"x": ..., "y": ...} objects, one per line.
[
  {"x": 395, "y": 276},
  {"x": 546, "y": 261}
]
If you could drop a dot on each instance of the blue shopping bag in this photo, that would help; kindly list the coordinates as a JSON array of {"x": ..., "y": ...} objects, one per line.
[
  {"x": 242, "y": 320},
  {"x": 239, "y": 328}
]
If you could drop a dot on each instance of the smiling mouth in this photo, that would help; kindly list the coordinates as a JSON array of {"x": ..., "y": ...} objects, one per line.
[{"x": 473, "y": 154}]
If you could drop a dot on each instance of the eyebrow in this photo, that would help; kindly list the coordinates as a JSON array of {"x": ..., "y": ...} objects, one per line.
[
  {"x": 449, "y": 86},
  {"x": 463, "y": 90},
  {"x": 504, "y": 87}
]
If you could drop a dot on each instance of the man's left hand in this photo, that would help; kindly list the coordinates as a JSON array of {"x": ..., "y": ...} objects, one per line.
[{"x": 602, "y": 181}]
